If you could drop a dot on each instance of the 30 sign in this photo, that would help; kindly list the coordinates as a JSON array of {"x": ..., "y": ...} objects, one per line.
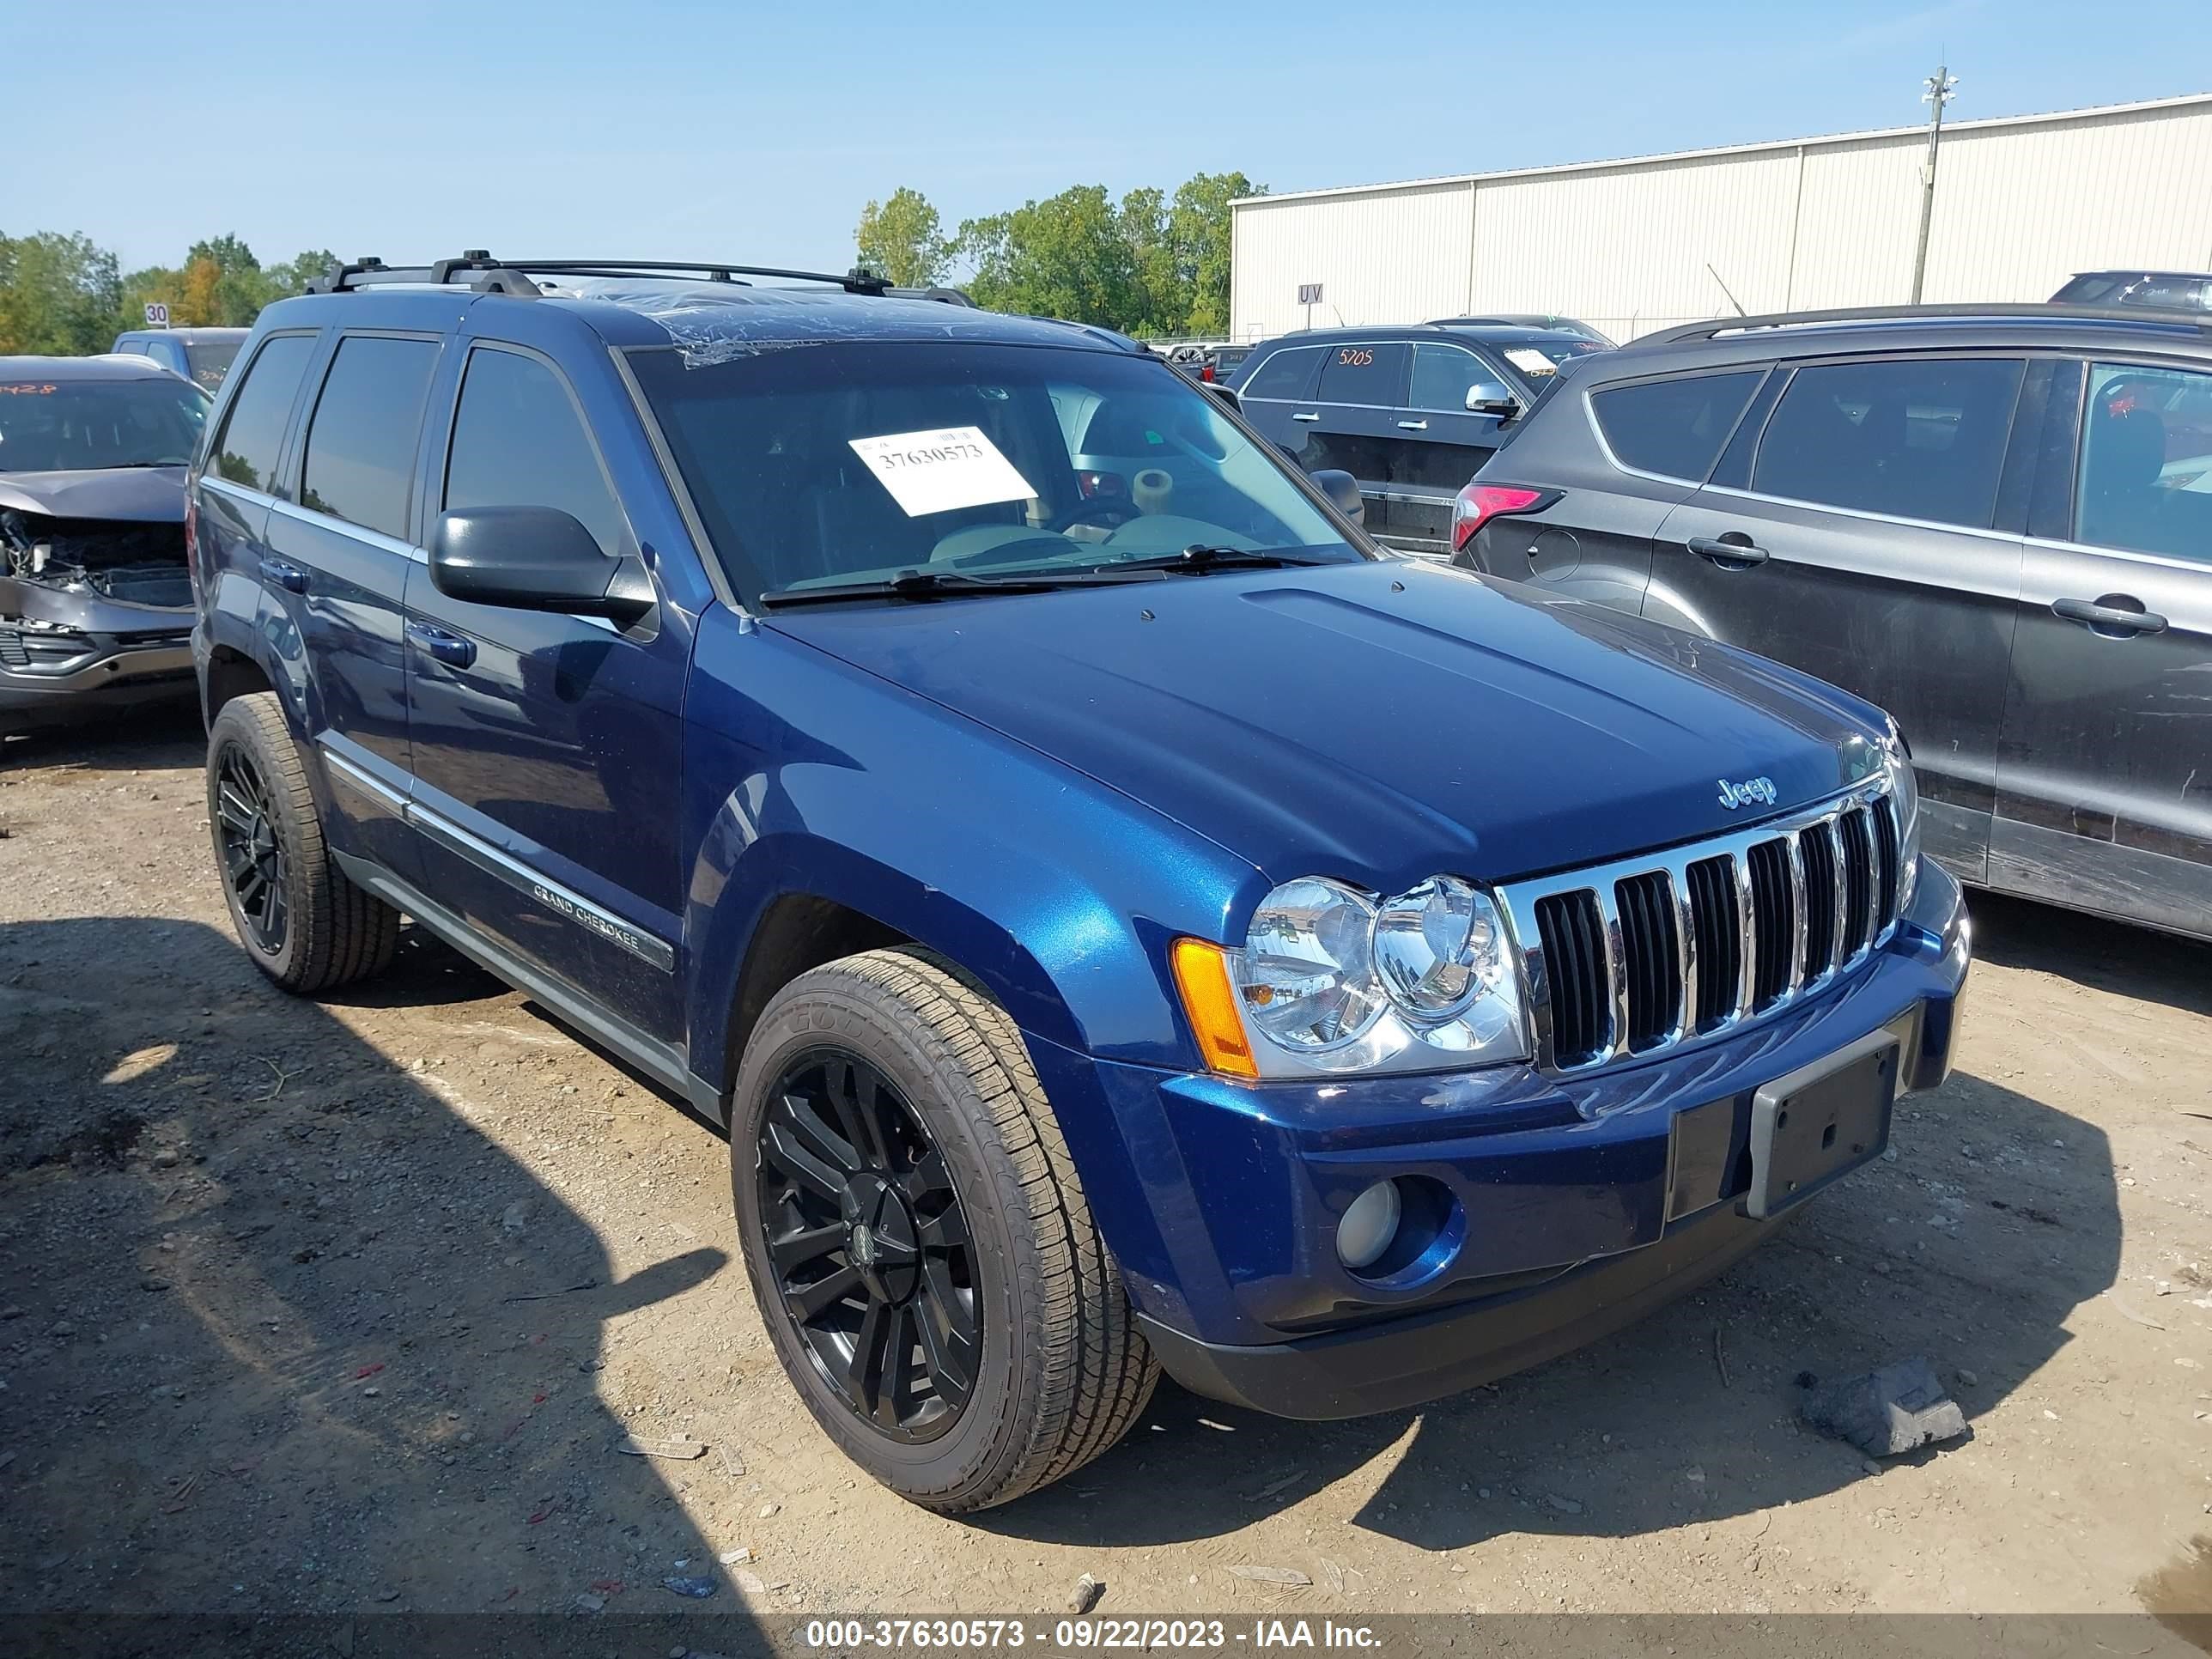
[{"x": 157, "y": 314}]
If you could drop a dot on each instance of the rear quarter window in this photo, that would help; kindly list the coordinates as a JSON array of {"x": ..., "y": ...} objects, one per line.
[
  {"x": 1284, "y": 374},
  {"x": 1674, "y": 428}
]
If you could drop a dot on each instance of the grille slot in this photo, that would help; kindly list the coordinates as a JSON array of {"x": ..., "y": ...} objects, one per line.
[
  {"x": 1716, "y": 931},
  {"x": 1885, "y": 859},
  {"x": 1773, "y": 921},
  {"x": 1573, "y": 935},
  {"x": 1816, "y": 852},
  {"x": 1858, "y": 839},
  {"x": 1651, "y": 947}
]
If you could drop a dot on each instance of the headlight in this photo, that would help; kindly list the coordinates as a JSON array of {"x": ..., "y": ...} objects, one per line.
[
  {"x": 1437, "y": 949},
  {"x": 1905, "y": 795},
  {"x": 1332, "y": 979},
  {"x": 1309, "y": 980}
]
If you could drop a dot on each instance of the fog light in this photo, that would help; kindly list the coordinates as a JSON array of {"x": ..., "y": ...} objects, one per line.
[{"x": 1368, "y": 1226}]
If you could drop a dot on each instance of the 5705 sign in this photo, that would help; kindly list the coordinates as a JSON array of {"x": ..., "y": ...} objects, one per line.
[{"x": 1355, "y": 356}]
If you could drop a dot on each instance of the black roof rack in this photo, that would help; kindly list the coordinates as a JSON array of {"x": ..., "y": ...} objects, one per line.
[
  {"x": 512, "y": 276},
  {"x": 1996, "y": 312}
]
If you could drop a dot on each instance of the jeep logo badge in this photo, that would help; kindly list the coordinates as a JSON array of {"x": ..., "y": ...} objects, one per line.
[{"x": 1734, "y": 795}]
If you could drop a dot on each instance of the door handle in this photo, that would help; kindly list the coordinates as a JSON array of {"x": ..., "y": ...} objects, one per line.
[
  {"x": 286, "y": 575},
  {"x": 1732, "y": 551},
  {"x": 2105, "y": 616},
  {"x": 1412, "y": 426},
  {"x": 1314, "y": 416},
  {"x": 450, "y": 649}
]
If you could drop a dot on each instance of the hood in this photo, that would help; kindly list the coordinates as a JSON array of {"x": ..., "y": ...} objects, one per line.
[
  {"x": 1377, "y": 722},
  {"x": 153, "y": 495}
]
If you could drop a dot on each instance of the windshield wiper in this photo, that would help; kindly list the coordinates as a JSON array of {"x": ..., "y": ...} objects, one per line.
[
  {"x": 1199, "y": 556},
  {"x": 942, "y": 584}
]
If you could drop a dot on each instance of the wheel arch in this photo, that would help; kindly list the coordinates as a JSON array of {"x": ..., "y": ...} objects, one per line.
[
  {"x": 230, "y": 674},
  {"x": 807, "y": 901}
]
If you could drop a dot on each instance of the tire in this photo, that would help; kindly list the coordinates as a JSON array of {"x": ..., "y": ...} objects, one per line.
[
  {"x": 1058, "y": 1373},
  {"x": 301, "y": 921}
]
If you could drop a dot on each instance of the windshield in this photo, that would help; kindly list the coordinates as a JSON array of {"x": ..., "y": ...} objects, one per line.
[
  {"x": 1534, "y": 360},
  {"x": 75, "y": 426},
  {"x": 212, "y": 359},
  {"x": 2106, "y": 288},
  {"x": 854, "y": 462}
]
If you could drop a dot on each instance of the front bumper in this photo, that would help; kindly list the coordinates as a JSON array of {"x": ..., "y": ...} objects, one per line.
[
  {"x": 1576, "y": 1205},
  {"x": 49, "y": 680}
]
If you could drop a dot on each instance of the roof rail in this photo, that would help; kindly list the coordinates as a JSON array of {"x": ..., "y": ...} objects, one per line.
[
  {"x": 512, "y": 276},
  {"x": 2045, "y": 312}
]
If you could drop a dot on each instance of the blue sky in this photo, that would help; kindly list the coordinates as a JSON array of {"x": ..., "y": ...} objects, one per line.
[{"x": 747, "y": 131}]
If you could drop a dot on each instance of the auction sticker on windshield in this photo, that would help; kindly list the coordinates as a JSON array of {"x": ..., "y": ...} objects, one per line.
[
  {"x": 1530, "y": 361},
  {"x": 936, "y": 471}
]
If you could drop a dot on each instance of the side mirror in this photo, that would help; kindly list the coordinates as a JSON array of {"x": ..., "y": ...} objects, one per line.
[
  {"x": 1224, "y": 393},
  {"x": 1492, "y": 397},
  {"x": 1343, "y": 492},
  {"x": 534, "y": 558}
]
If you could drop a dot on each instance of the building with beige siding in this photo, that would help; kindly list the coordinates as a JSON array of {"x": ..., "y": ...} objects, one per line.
[{"x": 2021, "y": 203}]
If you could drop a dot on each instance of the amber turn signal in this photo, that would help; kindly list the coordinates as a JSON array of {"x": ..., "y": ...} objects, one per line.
[{"x": 1201, "y": 973}]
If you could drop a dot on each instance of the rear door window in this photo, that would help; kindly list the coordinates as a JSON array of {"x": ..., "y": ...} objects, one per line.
[
  {"x": 2144, "y": 485},
  {"x": 245, "y": 451},
  {"x": 361, "y": 443},
  {"x": 1285, "y": 375},
  {"x": 1374, "y": 375},
  {"x": 1915, "y": 438},
  {"x": 518, "y": 441},
  {"x": 1674, "y": 428}
]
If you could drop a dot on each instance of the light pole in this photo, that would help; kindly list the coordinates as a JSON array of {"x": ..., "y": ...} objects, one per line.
[{"x": 1938, "y": 92}]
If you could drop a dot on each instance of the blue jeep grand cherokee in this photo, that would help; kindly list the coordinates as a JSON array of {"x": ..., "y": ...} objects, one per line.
[{"x": 1124, "y": 923}]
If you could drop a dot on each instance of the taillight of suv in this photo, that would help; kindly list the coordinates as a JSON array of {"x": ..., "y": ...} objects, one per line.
[{"x": 1480, "y": 502}]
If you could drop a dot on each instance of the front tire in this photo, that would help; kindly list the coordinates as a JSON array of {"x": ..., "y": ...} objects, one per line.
[
  {"x": 918, "y": 1241},
  {"x": 301, "y": 921}
]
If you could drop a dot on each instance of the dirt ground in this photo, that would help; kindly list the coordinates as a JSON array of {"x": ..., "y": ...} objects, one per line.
[{"x": 346, "y": 1306}]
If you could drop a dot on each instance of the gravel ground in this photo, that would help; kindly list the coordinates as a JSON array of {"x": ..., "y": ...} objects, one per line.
[{"x": 336, "y": 1306}]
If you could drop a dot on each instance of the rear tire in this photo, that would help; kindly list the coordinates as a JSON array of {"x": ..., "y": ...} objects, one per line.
[
  {"x": 969, "y": 1216},
  {"x": 303, "y": 923}
]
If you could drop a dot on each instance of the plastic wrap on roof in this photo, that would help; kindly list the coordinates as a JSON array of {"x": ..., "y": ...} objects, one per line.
[{"x": 714, "y": 322}]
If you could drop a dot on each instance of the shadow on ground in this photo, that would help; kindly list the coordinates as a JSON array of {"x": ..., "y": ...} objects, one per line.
[
  {"x": 282, "y": 1330},
  {"x": 2094, "y": 950},
  {"x": 1999, "y": 1216},
  {"x": 166, "y": 735}
]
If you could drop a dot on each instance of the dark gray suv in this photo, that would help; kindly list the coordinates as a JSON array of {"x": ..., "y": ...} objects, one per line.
[{"x": 1995, "y": 521}]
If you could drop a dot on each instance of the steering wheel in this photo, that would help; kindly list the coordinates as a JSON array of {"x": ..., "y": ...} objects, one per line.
[{"x": 1107, "y": 513}]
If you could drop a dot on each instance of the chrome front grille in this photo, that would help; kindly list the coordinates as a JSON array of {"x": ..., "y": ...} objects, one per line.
[{"x": 1649, "y": 953}]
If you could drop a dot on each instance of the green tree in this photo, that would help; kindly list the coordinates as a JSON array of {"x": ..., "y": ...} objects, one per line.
[
  {"x": 1199, "y": 228},
  {"x": 294, "y": 274},
  {"x": 59, "y": 294},
  {"x": 224, "y": 284},
  {"x": 1161, "y": 301},
  {"x": 902, "y": 239},
  {"x": 1068, "y": 256}
]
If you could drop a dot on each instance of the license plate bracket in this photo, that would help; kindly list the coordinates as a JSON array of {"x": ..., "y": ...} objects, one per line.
[{"x": 1820, "y": 1121}]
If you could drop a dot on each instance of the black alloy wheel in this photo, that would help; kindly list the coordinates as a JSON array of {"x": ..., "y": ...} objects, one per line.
[
  {"x": 871, "y": 1251},
  {"x": 252, "y": 856}
]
